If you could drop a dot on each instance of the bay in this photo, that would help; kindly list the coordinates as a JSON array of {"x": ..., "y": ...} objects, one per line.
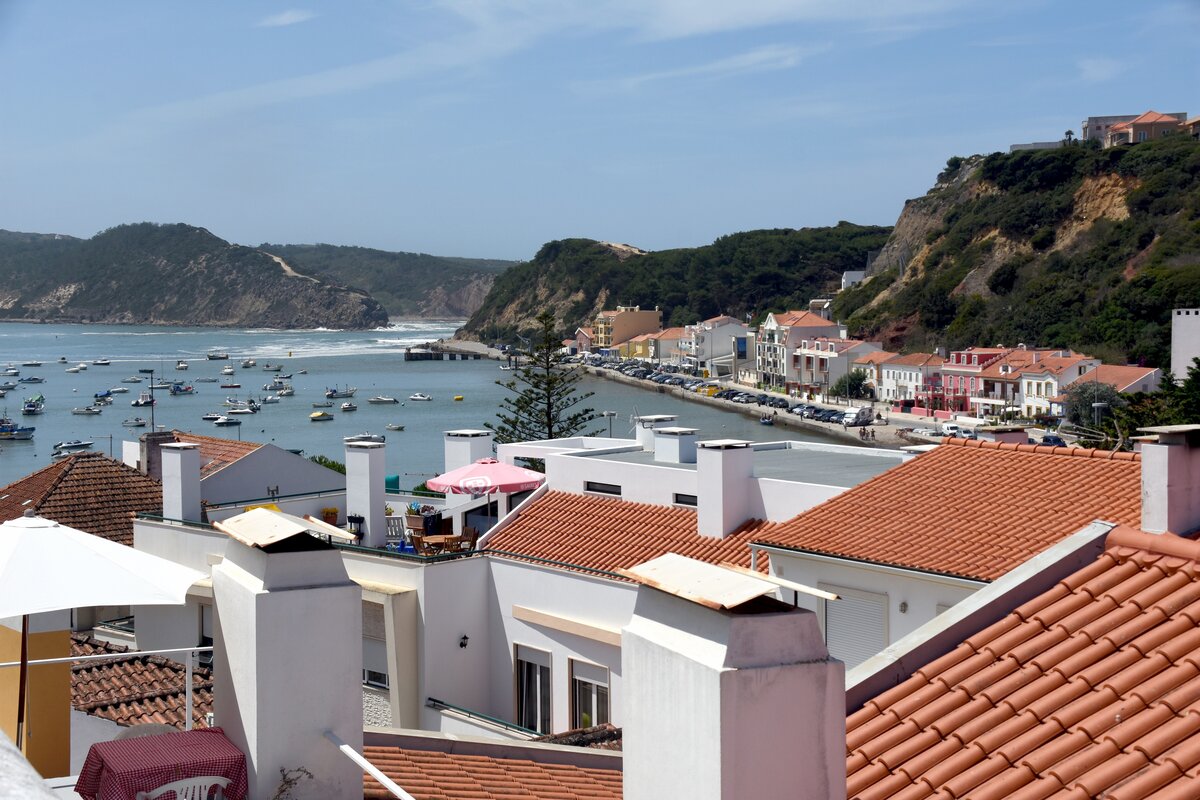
[{"x": 372, "y": 361}]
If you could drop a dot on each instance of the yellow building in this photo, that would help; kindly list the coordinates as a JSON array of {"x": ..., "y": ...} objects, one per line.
[{"x": 612, "y": 328}]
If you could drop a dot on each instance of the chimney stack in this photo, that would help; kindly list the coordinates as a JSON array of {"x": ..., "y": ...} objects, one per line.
[
  {"x": 724, "y": 473},
  {"x": 730, "y": 694},
  {"x": 465, "y": 447},
  {"x": 646, "y": 426},
  {"x": 365, "y": 491},
  {"x": 180, "y": 464},
  {"x": 151, "y": 458},
  {"x": 1171, "y": 480},
  {"x": 675, "y": 445}
]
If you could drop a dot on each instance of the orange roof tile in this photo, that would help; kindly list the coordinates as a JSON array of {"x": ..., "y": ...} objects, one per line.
[
  {"x": 606, "y": 533},
  {"x": 432, "y": 775},
  {"x": 1052, "y": 364},
  {"x": 216, "y": 452},
  {"x": 87, "y": 491},
  {"x": 669, "y": 333},
  {"x": 1089, "y": 690},
  {"x": 135, "y": 690},
  {"x": 1119, "y": 377},
  {"x": 875, "y": 357},
  {"x": 1151, "y": 117},
  {"x": 918, "y": 360},
  {"x": 969, "y": 508},
  {"x": 802, "y": 319}
]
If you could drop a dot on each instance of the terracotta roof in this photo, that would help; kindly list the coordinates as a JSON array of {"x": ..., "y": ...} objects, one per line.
[
  {"x": 606, "y": 533},
  {"x": 918, "y": 360},
  {"x": 721, "y": 320},
  {"x": 215, "y": 452},
  {"x": 1089, "y": 690},
  {"x": 802, "y": 319},
  {"x": 135, "y": 690},
  {"x": 875, "y": 357},
  {"x": 585, "y": 331},
  {"x": 1151, "y": 117},
  {"x": 87, "y": 491},
  {"x": 669, "y": 333},
  {"x": 1120, "y": 378},
  {"x": 969, "y": 508},
  {"x": 1052, "y": 364},
  {"x": 432, "y": 775}
]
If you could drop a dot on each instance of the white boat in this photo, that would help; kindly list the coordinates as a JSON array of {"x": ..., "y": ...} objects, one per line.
[
  {"x": 248, "y": 363},
  {"x": 101, "y": 362},
  {"x": 268, "y": 367},
  {"x": 163, "y": 385},
  {"x": 206, "y": 380},
  {"x": 131, "y": 379},
  {"x": 419, "y": 396},
  {"x": 270, "y": 398},
  {"x": 505, "y": 367},
  {"x": 86, "y": 411},
  {"x": 336, "y": 393},
  {"x": 382, "y": 399},
  {"x": 301, "y": 372},
  {"x": 72, "y": 370},
  {"x": 365, "y": 437},
  {"x": 32, "y": 379},
  {"x": 31, "y": 363},
  {"x": 119, "y": 390},
  {"x": 135, "y": 422},
  {"x": 320, "y": 416},
  {"x": 8, "y": 385},
  {"x": 11, "y": 372},
  {"x": 348, "y": 406},
  {"x": 393, "y": 426},
  {"x": 242, "y": 410},
  {"x": 212, "y": 416},
  {"x": 287, "y": 391},
  {"x": 217, "y": 354},
  {"x": 143, "y": 399},
  {"x": 62, "y": 359},
  {"x": 326, "y": 404},
  {"x": 227, "y": 370},
  {"x": 225, "y": 422},
  {"x": 82, "y": 365},
  {"x": 181, "y": 364},
  {"x": 74, "y": 444}
]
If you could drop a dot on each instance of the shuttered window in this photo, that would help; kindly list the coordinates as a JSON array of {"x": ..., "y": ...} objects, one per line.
[{"x": 856, "y": 625}]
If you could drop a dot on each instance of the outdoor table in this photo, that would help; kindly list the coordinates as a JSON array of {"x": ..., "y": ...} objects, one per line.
[
  {"x": 119, "y": 769},
  {"x": 437, "y": 544}
]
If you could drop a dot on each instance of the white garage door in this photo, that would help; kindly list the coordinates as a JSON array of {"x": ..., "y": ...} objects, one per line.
[{"x": 856, "y": 625}]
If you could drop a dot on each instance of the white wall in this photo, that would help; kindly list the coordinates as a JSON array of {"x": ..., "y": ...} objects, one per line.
[
  {"x": 1185, "y": 340},
  {"x": 252, "y": 476},
  {"x": 640, "y": 483}
]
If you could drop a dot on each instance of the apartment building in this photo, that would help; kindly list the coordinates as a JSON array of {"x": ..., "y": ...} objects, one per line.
[
  {"x": 776, "y": 339},
  {"x": 611, "y": 328}
]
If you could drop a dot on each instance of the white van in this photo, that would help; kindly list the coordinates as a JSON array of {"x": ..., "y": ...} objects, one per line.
[
  {"x": 951, "y": 429},
  {"x": 858, "y": 416}
]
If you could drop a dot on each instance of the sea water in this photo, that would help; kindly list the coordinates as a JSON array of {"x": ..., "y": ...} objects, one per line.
[{"x": 372, "y": 361}]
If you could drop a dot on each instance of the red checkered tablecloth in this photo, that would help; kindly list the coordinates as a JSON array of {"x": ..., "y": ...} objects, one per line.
[{"x": 118, "y": 770}]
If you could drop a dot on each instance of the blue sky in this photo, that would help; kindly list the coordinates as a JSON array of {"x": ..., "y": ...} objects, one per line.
[{"x": 487, "y": 127}]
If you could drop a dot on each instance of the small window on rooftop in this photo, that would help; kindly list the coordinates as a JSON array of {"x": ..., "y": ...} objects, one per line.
[
  {"x": 602, "y": 488},
  {"x": 685, "y": 500}
]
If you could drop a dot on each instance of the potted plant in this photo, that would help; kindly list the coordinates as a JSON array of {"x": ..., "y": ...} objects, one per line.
[{"x": 329, "y": 515}]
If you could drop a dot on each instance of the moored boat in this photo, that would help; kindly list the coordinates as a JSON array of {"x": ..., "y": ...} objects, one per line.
[
  {"x": 325, "y": 404},
  {"x": 86, "y": 411},
  {"x": 366, "y": 437},
  {"x": 31, "y": 363},
  {"x": 335, "y": 393},
  {"x": 248, "y": 363},
  {"x": 74, "y": 444},
  {"x": 134, "y": 422},
  {"x": 348, "y": 406},
  {"x": 382, "y": 399},
  {"x": 34, "y": 405},
  {"x": 10, "y": 430},
  {"x": 182, "y": 388},
  {"x": 181, "y": 364},
  {"x": 101, "y": 362},
  {"x": 320, "y": 416},
  {"x": 225, "y": 422},
  {"x": 131, "y": 379},
  {"x": 32, "y": 379},
  {"x": 227, "y": 370},
  {"x": 217, "y": 354},
  {"x": 143, "y": 399},
  {"x": 231, "y": 386},
  {"x": 269, "y": 367},
  {"x": 119, "y": 390},
  {"x": 392, "y": 426},
  {"x": 419, "y": 396}
]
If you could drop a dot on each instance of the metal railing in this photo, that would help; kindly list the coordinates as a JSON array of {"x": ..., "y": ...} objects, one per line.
[
  {"x": 187, "y": 689},
  {"x": 442, "y": 705}
]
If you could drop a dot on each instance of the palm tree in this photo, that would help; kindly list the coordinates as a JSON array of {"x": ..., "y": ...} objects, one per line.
[{"x": 1069, "y": 137}]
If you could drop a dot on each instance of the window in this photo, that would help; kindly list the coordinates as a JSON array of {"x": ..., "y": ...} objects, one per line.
[
  {"x": 589, "y": 694},
  {"x": 602, "y": 488},
  {"x": 377, "y": 679},
  {"x": 533, "y": 689},
  {"x": 685, "y": 500}
]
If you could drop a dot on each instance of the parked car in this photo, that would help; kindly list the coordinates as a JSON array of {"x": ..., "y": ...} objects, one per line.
[{"x": 1054, "y": 440}]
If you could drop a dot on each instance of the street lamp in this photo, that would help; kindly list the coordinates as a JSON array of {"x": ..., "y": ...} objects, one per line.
[{"x": 609, "y": 415}]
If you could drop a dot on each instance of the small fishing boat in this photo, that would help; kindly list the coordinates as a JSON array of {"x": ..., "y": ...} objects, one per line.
[
  {"x": 181, "y": 364},
  {"x": 131, "y": 379},
  {"x": 247, "y": 363},
  {"x": 270, "y": 398},
  {"x": 33, "y": 405},
  {"x": 301, "y": 372},
  {"x": 269, "y": 367},
  {"x": 206, "y": 380},
  {"x": 87, "y": 411},
  {"x": 325, "y": 404},
  {"x": 392, "y": 426},
  {"x": 82, "y": 365},
  {"x": 766, "y": 420},
  {"x": 320, "y": 416},
  {"x": 12, "y": 431},
  {"x": 119, "y": 390},
  {"x": 231, "y": 386},
  {"x": 32, "y": 379},
  {"x": 181, "y": 388},
  {"x": 419, "y": 396},
  {"x": 348, "y": 406},
  {"x": 101, "y": 362},
  {"x": 11, "y": 371},
  {"x": 31, "y": 363},
  {"x": 335, "y": 393},
  {"x": 225, "y": 422},
  {"x": 217, "y": 354},
  {"x": 227, "y": 370},
  {"x": 8, "y": 385},
  {"x": 287, "y": 391},
  {"x": 74, "y": 444},
  {"x": 143, "y": 399},
  {"x": 366, "y": 437},
  {"x": 382, "y": 399},
  {"x": 134, "y": 422},
  {"x": 212, "y": 416}
]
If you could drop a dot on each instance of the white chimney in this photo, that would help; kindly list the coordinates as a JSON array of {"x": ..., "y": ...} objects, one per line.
[
  {"x": 724, "y": 474},
  {"x": 1171, "y": 480},
  {"x": 283, "y": 608},
  {"x": 675, "y": 445},
  {"x": 181, "y": 481},
  {"x": 646, "y": 426},
  {"x": 729, "y": 694},
  {"x": 465, "y": 447},
  {"x": 365, "y": 490}
]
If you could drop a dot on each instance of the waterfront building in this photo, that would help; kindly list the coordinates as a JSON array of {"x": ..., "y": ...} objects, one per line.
[
  {"x": 612, "y": 328},
  {"x": 911, "y": 377},
  {"x": 776, "y": 339},
  {"x": 709, "y": 346},
  {"x": 818, "y": 363}
]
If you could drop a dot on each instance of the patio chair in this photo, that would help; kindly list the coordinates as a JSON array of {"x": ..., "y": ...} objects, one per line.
[
  {"x": 470, "y": 535},
  {"x": 418, "y": 543},
  {"x": 197, "y": 788}
]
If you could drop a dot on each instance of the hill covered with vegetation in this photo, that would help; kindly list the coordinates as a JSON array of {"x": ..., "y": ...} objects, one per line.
[
  {"x": 1072, "y": 247},
  {"x": 743, "y": 273},
  {"x": 167, "y": 275},
  {"x": 407, "y": 284}
]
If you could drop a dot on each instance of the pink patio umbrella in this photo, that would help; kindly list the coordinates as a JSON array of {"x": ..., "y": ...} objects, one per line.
[{"x": 487, "y": 476}]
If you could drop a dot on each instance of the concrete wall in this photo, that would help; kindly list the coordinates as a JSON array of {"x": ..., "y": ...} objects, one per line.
[
  {"x": 47, "y": 712},
  {"x": 1185, "y": 340},
  {"x": 256, "y": 474}
]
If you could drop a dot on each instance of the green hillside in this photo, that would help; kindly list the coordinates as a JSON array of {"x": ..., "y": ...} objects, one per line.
[
  {"x": 1074, "y": 247},
  {"x": 739, "y": 274}
]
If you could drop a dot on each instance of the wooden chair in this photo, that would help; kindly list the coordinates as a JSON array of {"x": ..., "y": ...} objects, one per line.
[
  {"x": 197, "y": 788},
  {"x": 470, "y": 535},
  {"x": 418, "y": 542}
]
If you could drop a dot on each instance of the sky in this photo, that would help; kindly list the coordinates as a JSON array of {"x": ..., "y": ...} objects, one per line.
[{"x": 485, "y": 128}]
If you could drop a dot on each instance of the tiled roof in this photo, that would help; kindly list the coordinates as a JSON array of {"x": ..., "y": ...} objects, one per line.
[
  {"x": 1089, "y": 690},
  {"x": 606, "y": 533},
  {"x": 918, "y": 360},
  {"x": 87, "y": 491},
  {"x": 1119, "y": 377},
  {"x": 875, "y": 357},
  {"x": 1054, "y": 365},
  {"x": 969, "y": 508},
  {"x": 135, "y": 690},
  {"x": 721, "y": 320},
  {"x": 1151, "y": 117},
  {"x": 216, "y": 452},
  {"x": 432, "y": 775},
  {"x": 802, "y": 319},
  {"x": 669, "y": 333}
]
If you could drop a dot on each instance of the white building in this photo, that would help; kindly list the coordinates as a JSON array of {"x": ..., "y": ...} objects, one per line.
[
  {"x": 905, "y": 377},
  {"x": 1185, "y": 340},
  {"x": 709, "y": 345},
  {"x": 820, "y": 362},
  {"x": 778, "y": 336}
]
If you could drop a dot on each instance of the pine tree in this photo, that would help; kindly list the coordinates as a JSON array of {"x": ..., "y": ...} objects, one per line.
[{"x": 544, "y": 400}]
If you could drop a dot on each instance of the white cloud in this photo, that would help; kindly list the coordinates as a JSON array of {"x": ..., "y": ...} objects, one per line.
[
  {"x": 762, "y": 59},
  {"x": 1098, "y": 70},
  {"x": 293, "y": 16}
]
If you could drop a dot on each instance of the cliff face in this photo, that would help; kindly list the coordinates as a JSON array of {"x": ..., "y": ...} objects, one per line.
[
  {"x": 1067, "y": 248},
  {"x": 170, "y": 275}
]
